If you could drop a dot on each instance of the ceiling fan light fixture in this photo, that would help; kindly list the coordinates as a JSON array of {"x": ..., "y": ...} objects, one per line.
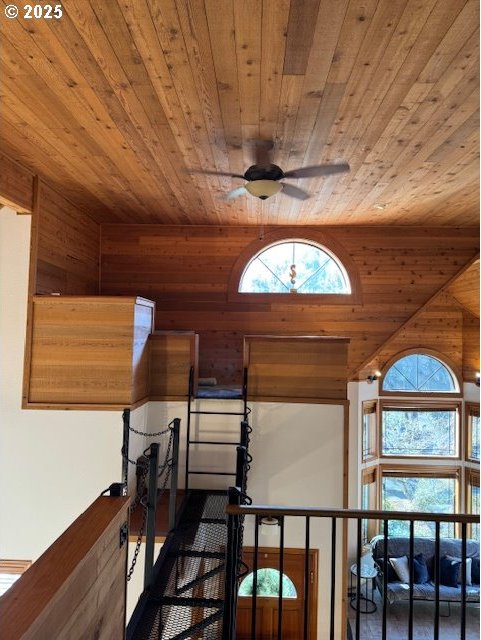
[{"x": 263, "y": 189}]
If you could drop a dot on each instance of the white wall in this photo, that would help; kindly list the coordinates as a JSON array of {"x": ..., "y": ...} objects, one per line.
[{"x": 53, "y": 464}]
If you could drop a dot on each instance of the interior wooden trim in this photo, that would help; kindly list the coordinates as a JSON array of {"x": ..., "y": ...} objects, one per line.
[
  {"x": 14, "y": 566},
  {"x": 308, "y": 234},
  {"x": 470, "y": 409}
]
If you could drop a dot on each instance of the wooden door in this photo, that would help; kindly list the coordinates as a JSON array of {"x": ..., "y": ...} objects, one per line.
[{"x": 268, "y": 606}]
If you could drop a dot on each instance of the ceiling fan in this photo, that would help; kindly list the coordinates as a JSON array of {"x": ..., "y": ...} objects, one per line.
[{"x": 263, "y": 178}]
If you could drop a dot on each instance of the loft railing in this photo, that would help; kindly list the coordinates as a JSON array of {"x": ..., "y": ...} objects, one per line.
[{"x": 335, "y": 544}]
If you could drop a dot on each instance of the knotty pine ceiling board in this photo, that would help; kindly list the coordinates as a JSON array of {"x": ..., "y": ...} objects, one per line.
[{"x": 120, "y": 104}]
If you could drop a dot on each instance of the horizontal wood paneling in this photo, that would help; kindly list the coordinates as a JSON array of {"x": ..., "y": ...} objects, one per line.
[
  {"x": 186, "y": 271},
  {"x": 302, "y": 368},
  {"x": 76, "y": 589},
  {"x": 172, "y": 354},
  {"x": 88, "y": 351},
  {"x": 16, "y": 185},
  {"x": 120, "y": 104},
  {"x": 68, "y": 247}
]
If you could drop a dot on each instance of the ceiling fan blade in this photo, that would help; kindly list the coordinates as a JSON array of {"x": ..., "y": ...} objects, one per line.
[
  {"x": 206, "y": 172},
  {"x": 294, "y": 192},
  {"x": 235, "y": 193},
  {"x": 317, "y": 170},
  {"x": 262, "y": 153}
]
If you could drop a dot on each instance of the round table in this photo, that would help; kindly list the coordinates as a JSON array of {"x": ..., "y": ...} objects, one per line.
[{"x": 366, "y": 603}]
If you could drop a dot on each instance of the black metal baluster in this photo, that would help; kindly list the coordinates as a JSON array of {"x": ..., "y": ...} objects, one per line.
[
  {"x": 151, "y": 509},
  {"x": 281, "y": 575},
  {"x": 358, "y": 581},
  {"x": 411, "y": 580},
  {"x": 463, "y": 581},
  {"x": 333, "y": 577},
  {"x": 306, "y": 580},
  {"x": 385, "y": 569},
  {"x": 174, "y": 475},
  {"x": 437, "y": 579},
  {"x": 254, "y": 579}
]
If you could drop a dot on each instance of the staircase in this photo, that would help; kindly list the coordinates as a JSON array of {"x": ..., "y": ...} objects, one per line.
[{"x": 186, "y": 598}]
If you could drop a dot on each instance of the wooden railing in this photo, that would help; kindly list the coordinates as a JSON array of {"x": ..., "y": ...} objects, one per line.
[{"x": 76, "y": 589}]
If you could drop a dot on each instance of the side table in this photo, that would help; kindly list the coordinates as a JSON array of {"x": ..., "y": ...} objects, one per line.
[{"x": 366, "y": 603}]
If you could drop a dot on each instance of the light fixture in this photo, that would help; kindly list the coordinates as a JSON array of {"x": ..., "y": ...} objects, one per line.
[
  {"x": 374, "y": 376},
  {"x": 269, "y": 526},
  {"x": 380, "y": 206},
  {"x": 263, "y": 189},
  {"x": 476, "y": 381}
]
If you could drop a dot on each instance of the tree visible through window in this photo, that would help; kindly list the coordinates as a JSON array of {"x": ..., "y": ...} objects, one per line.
[
  {"x": 268, "y": 584},
  {"x": 417, "y": 373},
  {"x": 295, "y": 266}
]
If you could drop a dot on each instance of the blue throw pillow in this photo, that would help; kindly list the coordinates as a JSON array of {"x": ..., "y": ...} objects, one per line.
[
  {"x": 449, "y": 572},
  {"x": 421, "y": 573},
  {"x": 475, "y": 571}
]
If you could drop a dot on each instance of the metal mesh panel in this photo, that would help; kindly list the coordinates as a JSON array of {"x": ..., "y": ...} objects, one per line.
[{"x": 187, "y": 599}]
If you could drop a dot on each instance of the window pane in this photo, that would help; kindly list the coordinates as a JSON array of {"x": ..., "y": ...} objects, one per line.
[
  {"x": 475, "y": 510},
  {"x": 419, "y": 372},
  {"x": 412, "y": 432},
  {"x": 268, "y": 584},
  {"x": 474, "y": 437},
  {"x": 293, "y": 265},
  {"x": 415, "y": 493}
]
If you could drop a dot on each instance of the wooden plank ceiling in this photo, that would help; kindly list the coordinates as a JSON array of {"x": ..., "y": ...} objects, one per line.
[{"x": 117, "y": 102}]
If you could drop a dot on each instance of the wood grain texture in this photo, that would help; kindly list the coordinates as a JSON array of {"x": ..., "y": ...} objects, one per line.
[
  {"x": 89, "y": 351},
  {"x": 68, "y": 247},
  {"x": 466, "y": 289},
  {"x": 16, "y": 185},
  {"x": 296, "y": 368},
  {"x": 172, "y": 354},
  {"x": 76, "y": 589},
  {"x": 186, "y": 270},
  {"x": 119, "y": 103}
]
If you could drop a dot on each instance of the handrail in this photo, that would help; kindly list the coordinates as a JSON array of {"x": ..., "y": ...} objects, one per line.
[{"x": 277, "y": 510}]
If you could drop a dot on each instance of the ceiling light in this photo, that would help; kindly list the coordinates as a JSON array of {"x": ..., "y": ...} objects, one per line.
[
  {"x": 380, "y": 206},
  {"x": 263, "y": 189},
  {"x": 374, "y": 376}
]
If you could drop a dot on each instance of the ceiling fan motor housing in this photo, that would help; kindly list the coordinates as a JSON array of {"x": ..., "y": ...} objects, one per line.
[{"x": 271, "y": 172}]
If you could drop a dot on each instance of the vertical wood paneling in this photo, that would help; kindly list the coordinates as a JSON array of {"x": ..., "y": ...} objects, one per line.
[{"x": 68, "y": 247}]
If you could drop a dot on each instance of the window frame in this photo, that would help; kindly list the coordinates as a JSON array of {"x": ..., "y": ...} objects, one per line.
[
  {"x": 420, "y": 404},
  {"x": 370, "y": 478},
  {"x": 470, "y": 409},
  {"x": 424, "y": 471},
  {"x": 471, "y": 479},
  {"x": 453, "y": 370},
  {"x": 370, "y": 408},
  {"x": 291, "y": 234}
]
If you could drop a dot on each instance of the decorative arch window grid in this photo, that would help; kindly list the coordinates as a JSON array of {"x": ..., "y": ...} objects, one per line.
[
  {"x": 295, "y": 266},
  {"x": 419, "y": 373}
]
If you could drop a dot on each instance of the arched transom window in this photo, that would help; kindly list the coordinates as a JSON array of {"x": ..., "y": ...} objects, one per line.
[
  {"x": 419, "y": 372},
  {"x": 295, "y": 266}
]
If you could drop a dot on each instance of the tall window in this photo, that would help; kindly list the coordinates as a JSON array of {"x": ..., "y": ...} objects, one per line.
[
  {"x": 472, "y": 499},
  {"x": 418, "y": 373},
  {"x": 369, "y": 430},
  {"x": 295, "y": 266}
]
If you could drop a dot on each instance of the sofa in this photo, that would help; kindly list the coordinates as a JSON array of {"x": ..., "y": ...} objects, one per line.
[{"x": 398, "y": 547}]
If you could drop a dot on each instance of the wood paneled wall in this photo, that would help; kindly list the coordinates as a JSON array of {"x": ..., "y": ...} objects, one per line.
[
  {"x": 299, "y": 369},
  {"x": 76, "y": 589},
  {"x": 67, "y": 247},
  {"x": 172, "y": 354},
  {"x": 16, "y": 185},
  {"x": 186, "y": 271},
  {"x": 88, "y": 352}
]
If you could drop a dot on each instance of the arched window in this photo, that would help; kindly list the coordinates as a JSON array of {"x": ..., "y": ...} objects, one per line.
[
  {"x": 417, "y": 373},
  {"x": 295, "y": 266},
  {"x": 268, "y": 584}
]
